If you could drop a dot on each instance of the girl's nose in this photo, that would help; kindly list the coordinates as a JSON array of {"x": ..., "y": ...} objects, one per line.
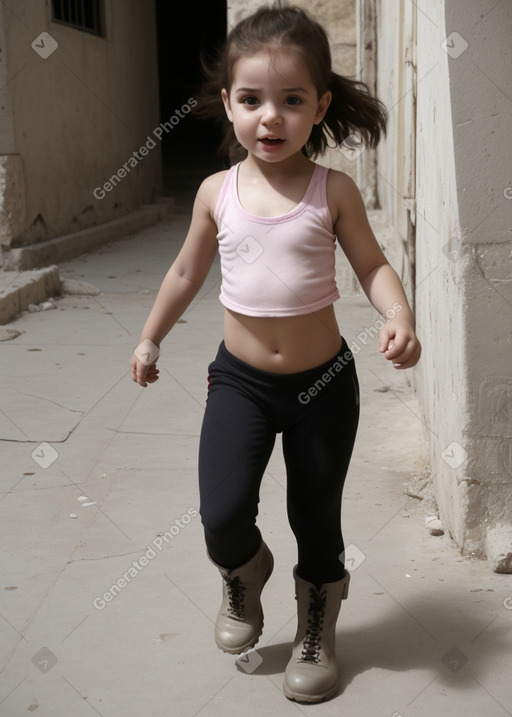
[{"x": 271, "y": 115}]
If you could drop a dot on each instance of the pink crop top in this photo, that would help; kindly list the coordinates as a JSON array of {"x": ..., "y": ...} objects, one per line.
[{"x": 277, "y": 266}]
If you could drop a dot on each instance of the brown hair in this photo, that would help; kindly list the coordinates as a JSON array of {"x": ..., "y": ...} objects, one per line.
[{"x": 352, "y": 108}]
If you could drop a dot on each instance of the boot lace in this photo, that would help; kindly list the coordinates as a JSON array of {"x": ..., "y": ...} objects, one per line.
[
  {"x": 316, "y": 610},
  {"x": 236, "y": 591}
]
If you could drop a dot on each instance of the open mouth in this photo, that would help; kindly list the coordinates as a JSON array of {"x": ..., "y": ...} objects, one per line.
[{"x": 270, "y": 141}]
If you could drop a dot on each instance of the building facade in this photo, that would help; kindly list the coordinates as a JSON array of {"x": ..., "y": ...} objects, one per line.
[
  {"x": 80, "y": 106},
  {"x": 444, "y": 70}
]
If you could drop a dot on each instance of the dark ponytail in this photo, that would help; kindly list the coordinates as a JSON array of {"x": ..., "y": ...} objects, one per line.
[{"x": 352, "y": 111}]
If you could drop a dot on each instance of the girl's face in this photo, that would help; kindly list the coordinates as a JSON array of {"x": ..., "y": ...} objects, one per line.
[{"x": 273, "y": 105}]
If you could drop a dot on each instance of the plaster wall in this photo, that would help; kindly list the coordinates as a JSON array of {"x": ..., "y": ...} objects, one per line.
[
  {"x": 463, "y": 287},
  {"x": 441, "y": 301},
  {"x": 481, "y": 101},
  {"x": 77, "y": 116}
]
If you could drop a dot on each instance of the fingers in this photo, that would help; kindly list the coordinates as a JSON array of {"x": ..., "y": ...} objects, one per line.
[
  {"x": 404, "y": 355},
  {"x": 152, "y": 374},
  {"x": 395, "y": 349},
  {"x": 385, "y": 339},
  {"x": 143, "y": 374},
  {"x": 408, "y": 358},
  {"x": 399, "y": 345}
]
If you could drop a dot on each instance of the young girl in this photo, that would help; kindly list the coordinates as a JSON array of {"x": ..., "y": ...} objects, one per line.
[{"x": 282, "y": 367}]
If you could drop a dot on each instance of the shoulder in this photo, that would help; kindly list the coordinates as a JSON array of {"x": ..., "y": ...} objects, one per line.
[
  {"x": 214, "y": 181},
  {"x": 210, "y": 188},
  {"x": 342, "y": 194}
]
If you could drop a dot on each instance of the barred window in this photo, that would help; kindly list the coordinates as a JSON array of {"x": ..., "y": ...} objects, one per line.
[{"x": 81, "y": 14}]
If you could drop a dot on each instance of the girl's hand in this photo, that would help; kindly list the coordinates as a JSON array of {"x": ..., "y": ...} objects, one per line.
[
  {"x": 142, "y": 373},
  {"x": 399, "y": 343}
]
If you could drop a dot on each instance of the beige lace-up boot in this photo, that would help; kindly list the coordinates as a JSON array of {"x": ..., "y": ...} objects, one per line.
[
  {"x": 312, "y": 673},
  {"x": 239, "y": 623}
]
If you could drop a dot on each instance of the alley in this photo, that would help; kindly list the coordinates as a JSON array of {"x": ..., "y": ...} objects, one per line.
[{"x": 108, "y": 599}]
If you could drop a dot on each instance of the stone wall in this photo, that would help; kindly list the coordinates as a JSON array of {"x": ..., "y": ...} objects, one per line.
[
  {"x": 73, "y": 117},
  {"x": 461, "y": 207}
]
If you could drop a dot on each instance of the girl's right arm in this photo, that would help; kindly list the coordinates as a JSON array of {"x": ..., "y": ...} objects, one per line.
[{"x": 185, "y": 277}]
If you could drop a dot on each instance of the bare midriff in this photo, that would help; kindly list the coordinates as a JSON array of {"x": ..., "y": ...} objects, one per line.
[{"x": 283, "y": 344}]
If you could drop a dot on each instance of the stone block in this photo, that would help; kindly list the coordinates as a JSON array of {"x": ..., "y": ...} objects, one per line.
[{"x": 498, "y": 546}]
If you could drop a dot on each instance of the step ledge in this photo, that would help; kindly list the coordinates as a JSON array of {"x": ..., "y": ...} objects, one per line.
[
  {"x": 69, "y": 246},
  {"x": 20, "y": 289}
]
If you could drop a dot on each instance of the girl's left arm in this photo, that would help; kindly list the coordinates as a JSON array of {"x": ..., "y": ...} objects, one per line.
[{"x": 381, "y": 284}]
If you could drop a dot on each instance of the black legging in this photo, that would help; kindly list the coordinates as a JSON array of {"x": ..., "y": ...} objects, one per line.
[{"x": 317, "y": 411}]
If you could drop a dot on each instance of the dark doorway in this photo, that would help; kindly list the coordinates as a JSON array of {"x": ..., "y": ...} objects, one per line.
[{"x": 185, "y": 31}]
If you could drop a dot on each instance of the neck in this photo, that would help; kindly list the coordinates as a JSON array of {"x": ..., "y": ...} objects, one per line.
[{"x": 292, "y": 165}]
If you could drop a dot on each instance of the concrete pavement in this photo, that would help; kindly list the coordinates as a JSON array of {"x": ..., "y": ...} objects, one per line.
[{"x": 111, "y": 612}]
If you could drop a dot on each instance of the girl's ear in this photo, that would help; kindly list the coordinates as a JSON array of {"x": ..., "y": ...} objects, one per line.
[
  {"x": 323, "y": 106},
  {"x": 227, "y": 106}
]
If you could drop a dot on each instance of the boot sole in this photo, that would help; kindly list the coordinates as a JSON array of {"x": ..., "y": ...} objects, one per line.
[
  {"x": 254, "y": 640},
  {"x": 309, "y": 699}
]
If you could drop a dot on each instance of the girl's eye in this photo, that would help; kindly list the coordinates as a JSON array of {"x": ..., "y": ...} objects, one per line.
[
  {"x": 250, "y": 100},
  {"x": 293, "y": 100}
]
